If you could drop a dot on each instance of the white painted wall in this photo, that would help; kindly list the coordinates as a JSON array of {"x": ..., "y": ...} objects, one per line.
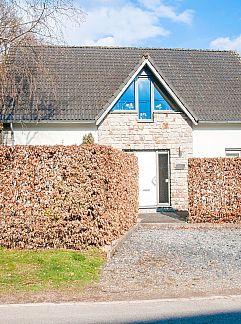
[
  {"x": 211, "y": 140},
  {"x": 52, "y": 133}
]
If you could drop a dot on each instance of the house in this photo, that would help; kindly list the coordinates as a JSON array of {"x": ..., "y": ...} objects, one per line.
[{"x": 163, "y": 105}]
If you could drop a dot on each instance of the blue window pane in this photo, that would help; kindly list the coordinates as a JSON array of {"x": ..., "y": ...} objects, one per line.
[
  {"x": 127, "y": 100},
  {"x": 159, "y": 102},
  {"x": 144, "y": 98}
]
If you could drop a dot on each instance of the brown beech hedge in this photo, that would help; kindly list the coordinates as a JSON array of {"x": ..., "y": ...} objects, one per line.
[
  {"x": 66, "y": 196},
  {"x": 214, "y": 190}
]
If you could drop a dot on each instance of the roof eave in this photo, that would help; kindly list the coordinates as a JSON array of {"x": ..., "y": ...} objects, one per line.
[
  {"x": 219, "y": 122},
  {"x": 48, "y": 121}
]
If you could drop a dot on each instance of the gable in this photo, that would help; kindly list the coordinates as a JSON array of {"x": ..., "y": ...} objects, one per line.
[
  {"x": 160, "y": 95},
  {"x": 144, "y": 95}
]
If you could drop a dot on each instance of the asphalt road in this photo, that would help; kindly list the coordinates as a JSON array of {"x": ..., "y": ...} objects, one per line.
[{"x": 193, "y": 310}]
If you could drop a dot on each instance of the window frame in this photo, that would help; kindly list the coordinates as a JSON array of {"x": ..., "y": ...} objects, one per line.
[
  {"x": 144, "y": 120},
  {"x": 144, "y": 75},
  {"x": 168, "y": 101},
  {"x": 126, "y": 110}
]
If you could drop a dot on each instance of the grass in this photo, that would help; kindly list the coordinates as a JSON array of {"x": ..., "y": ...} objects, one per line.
[{"x": 36, "y": 271}]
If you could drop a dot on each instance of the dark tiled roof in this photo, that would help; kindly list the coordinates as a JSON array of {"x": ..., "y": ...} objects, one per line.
[{"x": 208, "y": 83}]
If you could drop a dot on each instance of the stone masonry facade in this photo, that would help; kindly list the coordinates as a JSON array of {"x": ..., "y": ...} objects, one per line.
[
  {"x": 168, "y": 131},
  {"x": 6, "y": 134}
]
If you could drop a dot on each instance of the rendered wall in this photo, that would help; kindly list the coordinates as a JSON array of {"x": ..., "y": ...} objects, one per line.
[
  {"x": 52, "y": 134},
  {"x": 168, "y": 131},
  {"x": 211, "y": 140}
]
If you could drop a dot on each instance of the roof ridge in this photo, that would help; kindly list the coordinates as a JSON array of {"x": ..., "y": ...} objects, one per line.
[
  {"x": 135, "y": 48},
  {"x": 236, "y": 53}
]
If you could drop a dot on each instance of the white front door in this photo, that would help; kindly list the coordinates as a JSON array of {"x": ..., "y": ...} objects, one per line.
[{"x": 147, "y": 178}]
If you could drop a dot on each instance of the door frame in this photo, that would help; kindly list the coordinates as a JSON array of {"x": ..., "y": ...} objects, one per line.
[{"x": 157, "y": 151}]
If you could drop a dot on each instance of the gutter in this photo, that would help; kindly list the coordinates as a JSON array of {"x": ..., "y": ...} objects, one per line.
[
  {"x": 34, "y": 122},
  {"x": 219, "y": 122}
]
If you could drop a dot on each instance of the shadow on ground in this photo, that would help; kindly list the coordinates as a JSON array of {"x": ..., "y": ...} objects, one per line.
[
  {"x": 164, "y": 217},
  {"x": 220, "y": 318}
]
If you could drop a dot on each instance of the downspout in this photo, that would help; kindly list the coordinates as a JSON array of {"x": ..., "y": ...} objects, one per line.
[{"x": 12, "y": 133}]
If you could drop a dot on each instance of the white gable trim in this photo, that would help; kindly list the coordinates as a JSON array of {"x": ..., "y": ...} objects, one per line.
[
  {"x": 170, "y": 92},
  {"x": 99, "y": 120},
  {"x": 146, "y": 62}
]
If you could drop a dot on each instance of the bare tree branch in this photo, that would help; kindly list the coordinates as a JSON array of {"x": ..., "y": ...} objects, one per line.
[{"x": 23, "y": 25}]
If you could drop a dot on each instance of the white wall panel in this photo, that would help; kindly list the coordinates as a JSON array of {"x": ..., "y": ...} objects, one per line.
[
  {"x": 52, "y": 134},
  {"x": 212, "y": 140}
]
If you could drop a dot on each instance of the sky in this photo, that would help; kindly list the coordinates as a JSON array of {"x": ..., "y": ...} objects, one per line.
[{"x": 201, "y": 24}]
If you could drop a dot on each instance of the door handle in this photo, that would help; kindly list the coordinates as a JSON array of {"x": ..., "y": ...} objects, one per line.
[{"x": 166, "y": 180}]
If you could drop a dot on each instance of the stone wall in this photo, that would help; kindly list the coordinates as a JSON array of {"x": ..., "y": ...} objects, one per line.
[{"x": 168, "y": 131}]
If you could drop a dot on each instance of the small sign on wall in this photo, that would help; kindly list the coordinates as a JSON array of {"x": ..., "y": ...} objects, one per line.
[{"x": 180, "y": 166}]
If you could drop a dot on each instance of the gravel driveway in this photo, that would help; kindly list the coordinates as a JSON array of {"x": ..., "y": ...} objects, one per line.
[
  {"x": 173, "y": 261},
  {"x": 163, "y": 261}
]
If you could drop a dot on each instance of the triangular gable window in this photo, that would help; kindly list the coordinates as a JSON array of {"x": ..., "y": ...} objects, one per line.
[
  {"x": 159, "y": 102},
  {"x": 127, "y": 100},
  {"x": 144, "y": 96}
]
